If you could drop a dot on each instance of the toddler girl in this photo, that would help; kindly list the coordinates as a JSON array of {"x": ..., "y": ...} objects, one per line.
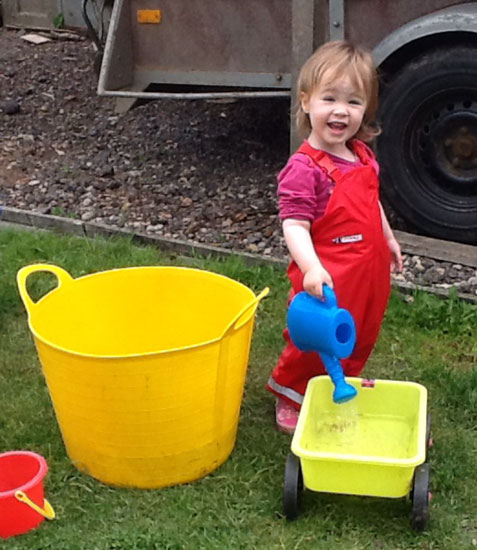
[{"x": 333, "y": 223}]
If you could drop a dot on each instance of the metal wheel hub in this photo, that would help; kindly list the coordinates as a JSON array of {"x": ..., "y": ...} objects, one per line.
[
  {"x": 455, "y": 142},
  {"x": 448, "y": 146}
]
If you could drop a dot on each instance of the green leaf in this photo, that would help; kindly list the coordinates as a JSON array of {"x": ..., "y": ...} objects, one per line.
[{"x": 58, "y": 21}]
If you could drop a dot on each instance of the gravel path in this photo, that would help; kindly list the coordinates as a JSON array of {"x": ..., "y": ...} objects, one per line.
[{"x": 199, "y": 171}]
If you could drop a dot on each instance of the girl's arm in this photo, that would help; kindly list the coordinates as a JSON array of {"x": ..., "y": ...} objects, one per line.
[
  {"x": 396, "y": 258},
  {"x": 298, "y": 239}
]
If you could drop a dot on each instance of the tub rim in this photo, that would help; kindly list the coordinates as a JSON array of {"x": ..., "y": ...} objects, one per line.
[{"x": 64, "y": 278}]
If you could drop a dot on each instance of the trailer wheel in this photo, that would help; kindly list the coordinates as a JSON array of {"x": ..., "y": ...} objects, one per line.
[
  {"x": 292, "y": 487},
  {"x": 420, "y": 497},
  {"x": 428, "y": 146}
]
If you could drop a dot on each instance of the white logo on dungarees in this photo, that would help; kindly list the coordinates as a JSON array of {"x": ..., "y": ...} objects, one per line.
[{"x": 348, "y": 239}]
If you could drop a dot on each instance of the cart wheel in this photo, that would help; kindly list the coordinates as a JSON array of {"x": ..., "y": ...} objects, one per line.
[
  {"x": 292, "y": 487},
  {"x": 429, "y": 442},
  {"x": 420, "y": 497}
]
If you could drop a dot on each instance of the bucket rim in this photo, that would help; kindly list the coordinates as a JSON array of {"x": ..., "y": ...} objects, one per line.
[
  {"x": 42, "y": 471},
  {"x": 126, "y": 357}
]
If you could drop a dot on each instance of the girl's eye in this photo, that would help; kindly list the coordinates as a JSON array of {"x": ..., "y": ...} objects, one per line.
[
  {"x": 328, "y": 98},
  {"x": 356, "y": 102}
]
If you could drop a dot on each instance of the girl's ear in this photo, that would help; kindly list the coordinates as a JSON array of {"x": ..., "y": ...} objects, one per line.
[{"x": 305, "y": 102}]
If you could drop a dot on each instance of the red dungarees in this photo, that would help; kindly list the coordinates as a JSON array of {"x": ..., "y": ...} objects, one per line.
[{"x": 350, "y": 243}]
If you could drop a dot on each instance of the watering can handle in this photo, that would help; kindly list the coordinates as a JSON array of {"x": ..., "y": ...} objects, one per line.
[
  {"x": 63, "y": 278},
  {"x": 236, "y": 322},
  {"x": 47, "y": 510},
  {"x": 329, "y": 296}
]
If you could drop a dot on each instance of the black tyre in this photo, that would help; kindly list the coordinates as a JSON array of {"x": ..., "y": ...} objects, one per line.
[
  {"x": 420, "y": 497},
  {"x": 429, "y": 442},
  {"x": 292, "y": 487},
  {"x": 428, "y": 147}
]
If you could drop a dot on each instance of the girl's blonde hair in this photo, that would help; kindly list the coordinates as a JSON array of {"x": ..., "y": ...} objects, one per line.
[{"x": 332, "y": 61}]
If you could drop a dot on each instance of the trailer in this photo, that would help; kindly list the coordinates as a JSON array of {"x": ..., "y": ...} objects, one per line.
[{"x": 426, "y": 53}]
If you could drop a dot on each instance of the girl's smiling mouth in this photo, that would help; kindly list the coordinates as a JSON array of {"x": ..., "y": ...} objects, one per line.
[{"x": 338, "y": 126}]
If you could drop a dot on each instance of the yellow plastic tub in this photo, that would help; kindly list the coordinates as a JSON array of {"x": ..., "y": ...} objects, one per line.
[
  {"x": 369, "y": 446},
  {"x": 145, "y": 367}
]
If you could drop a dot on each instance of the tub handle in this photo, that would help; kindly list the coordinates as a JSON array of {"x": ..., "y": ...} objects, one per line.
[
  {"x": 47, "y": 510},
  {"x": 63, "y": 278},
  {"x": 238, "y": 322}
]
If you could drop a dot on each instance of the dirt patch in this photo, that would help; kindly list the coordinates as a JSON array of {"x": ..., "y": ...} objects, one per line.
[{"x": 196, "y": 170}]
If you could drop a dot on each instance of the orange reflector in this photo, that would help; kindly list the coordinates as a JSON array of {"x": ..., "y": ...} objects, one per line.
[{"x": 148, "y": 16}]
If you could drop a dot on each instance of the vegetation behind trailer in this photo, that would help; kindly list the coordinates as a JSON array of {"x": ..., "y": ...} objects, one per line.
[{"x": 426, "y": 53}]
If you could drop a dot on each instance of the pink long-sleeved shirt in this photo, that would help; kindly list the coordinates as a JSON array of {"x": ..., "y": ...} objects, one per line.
[{"x": 304, "y": 189}]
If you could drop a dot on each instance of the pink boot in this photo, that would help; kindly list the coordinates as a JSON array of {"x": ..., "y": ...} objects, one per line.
[{"x": 286, "y": 416}]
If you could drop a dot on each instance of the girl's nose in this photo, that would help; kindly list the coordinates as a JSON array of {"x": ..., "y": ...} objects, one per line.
[{"x": 340, "y": 109}]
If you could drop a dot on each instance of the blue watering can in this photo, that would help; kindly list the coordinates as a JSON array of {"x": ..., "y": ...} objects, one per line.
[{"x": 321, "y": 326}]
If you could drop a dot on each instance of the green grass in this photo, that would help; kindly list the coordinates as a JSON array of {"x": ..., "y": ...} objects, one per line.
[{"x": 426, "y": 340}]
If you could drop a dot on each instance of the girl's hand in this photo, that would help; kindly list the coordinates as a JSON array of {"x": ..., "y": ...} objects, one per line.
[
  {"x": 396, "y": 258},
  {"x": 315, "y": 278}
]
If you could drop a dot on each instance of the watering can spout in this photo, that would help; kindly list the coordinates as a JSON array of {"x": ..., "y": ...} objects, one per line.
[
  {"x": 343, "y": 391},
  {"x": 321, "y": 326}
]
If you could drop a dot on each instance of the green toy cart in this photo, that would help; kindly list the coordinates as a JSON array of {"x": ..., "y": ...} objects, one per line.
[{"x": 375, "y": 445}]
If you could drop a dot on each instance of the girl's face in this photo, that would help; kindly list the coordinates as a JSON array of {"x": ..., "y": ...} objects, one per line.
[{"x": 336, "y": 110}]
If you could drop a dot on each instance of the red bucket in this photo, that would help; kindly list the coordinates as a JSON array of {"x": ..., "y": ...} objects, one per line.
[{"x": 22, "y": 505}]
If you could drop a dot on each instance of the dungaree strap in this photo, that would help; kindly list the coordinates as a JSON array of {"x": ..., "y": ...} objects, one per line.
[
  {"x": 365, "y": 154},
  {"x": 323, "y": 160}
]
